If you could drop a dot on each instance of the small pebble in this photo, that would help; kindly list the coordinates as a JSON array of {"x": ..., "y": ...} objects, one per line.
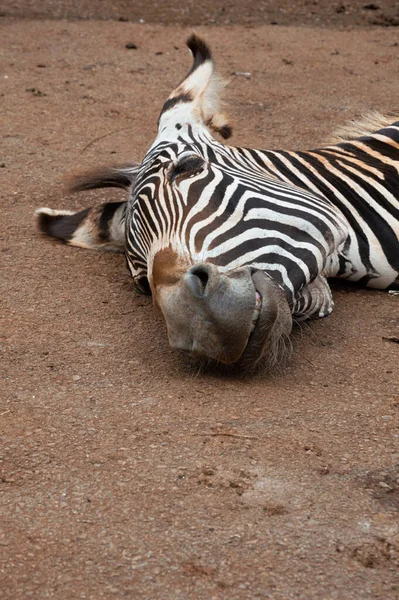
[
  {"x": 246, "y": 74},
  {"x": 131, "y": 46},
  {"x": 371, "y": 6},
  {"x": 208, "y": 471},
  {"x": 76, "y": 377}
]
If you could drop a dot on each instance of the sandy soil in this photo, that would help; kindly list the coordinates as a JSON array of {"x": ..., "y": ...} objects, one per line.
[
  {"x": 320, "y": 13},
  {"x": 124, "y": 475}
]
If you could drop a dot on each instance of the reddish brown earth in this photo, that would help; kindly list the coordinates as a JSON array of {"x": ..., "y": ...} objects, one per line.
[
  {"x": 320, "y": 13},
  {"x": 125, "y": 475}
]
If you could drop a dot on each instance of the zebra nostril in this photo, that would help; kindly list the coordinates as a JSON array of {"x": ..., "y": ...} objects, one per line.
[
  {"x": 197, "y": 279},
  {"x": 202, "y": 272}
]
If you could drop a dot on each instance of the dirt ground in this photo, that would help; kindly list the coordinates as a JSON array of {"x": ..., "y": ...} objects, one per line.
[
  {"x": 123, "y": 474},
  {"x": 320, "y": 13}
]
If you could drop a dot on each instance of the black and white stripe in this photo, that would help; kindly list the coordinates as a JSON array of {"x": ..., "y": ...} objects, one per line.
[
  {"x": 300, "y": 216},
  {"x": 360, "y": 178},
  {"x": 233, "y": 216}
]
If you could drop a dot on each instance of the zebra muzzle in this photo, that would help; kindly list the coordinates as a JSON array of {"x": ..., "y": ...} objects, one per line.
[
  {"x": 225, "y": 316},
  {"x": 269, "y": 339}
]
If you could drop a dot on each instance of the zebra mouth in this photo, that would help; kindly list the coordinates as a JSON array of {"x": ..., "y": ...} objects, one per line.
[
  {"x": 254, "y": 347},
  {"x": 271, "y": 319},
  {"x": 256, "y": 313}
]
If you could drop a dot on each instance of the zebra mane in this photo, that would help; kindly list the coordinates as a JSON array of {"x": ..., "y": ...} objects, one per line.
[
  {"x": 200, "y": 91},
  {"x": 365, "y": 125}
]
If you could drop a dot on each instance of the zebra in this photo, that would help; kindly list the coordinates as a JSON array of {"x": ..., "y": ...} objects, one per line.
[{"x": 237, "y": 244}]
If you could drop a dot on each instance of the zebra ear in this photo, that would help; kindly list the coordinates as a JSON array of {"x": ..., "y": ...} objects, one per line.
[
  {"x": 187, "y": 165},
  {"x": 198, "y": 97},
  {"x": 101, "y": 227}
]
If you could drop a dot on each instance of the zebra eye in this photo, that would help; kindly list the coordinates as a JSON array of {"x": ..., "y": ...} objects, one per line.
[{"x": 187, "y": 165}]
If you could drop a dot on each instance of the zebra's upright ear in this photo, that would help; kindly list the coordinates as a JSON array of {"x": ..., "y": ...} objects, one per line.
[
  {"x": 198, "y": 97},
  {"x": 101, "y": 227}
]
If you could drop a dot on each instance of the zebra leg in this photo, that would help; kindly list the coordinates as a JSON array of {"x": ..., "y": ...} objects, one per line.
[
  {"x": 101, "y": 227},
  {"x": 315, "y": 300}
]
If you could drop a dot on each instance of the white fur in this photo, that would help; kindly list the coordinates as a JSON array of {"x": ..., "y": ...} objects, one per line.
[
  {"x": 53, "y": 213},
  {"x": 205, "y": 87}
]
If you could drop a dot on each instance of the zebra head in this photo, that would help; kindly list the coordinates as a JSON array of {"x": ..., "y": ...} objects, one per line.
[
  {"x": 226, "y": 250},
  {"x": 182, "y": 216}
]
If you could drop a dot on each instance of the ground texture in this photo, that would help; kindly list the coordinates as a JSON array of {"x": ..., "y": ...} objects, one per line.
[{"x": 123, "y": 474}]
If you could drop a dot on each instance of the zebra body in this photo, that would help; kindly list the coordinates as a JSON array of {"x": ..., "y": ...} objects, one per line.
[
  {"x": 361, "y": 178},
  {"x": 235, "y": 243}
]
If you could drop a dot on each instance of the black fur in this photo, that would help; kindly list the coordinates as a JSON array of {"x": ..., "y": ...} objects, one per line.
[
  {"x": 106, "y": 215},
  {"x": 200, "y": 51},
  {"x": 226, "y": 131},
  {"x": 61, "y": 227}
]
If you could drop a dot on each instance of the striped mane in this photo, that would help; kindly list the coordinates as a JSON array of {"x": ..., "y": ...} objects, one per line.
[{"x": 365, "y": 125}]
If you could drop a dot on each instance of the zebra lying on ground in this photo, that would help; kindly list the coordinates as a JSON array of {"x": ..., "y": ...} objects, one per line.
[{"x": 234, "y": 244}]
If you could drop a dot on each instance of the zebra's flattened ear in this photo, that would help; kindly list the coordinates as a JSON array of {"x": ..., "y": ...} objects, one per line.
[
  {"x": 99, "y": 228},
  {"x": 187, "y": 165}
]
